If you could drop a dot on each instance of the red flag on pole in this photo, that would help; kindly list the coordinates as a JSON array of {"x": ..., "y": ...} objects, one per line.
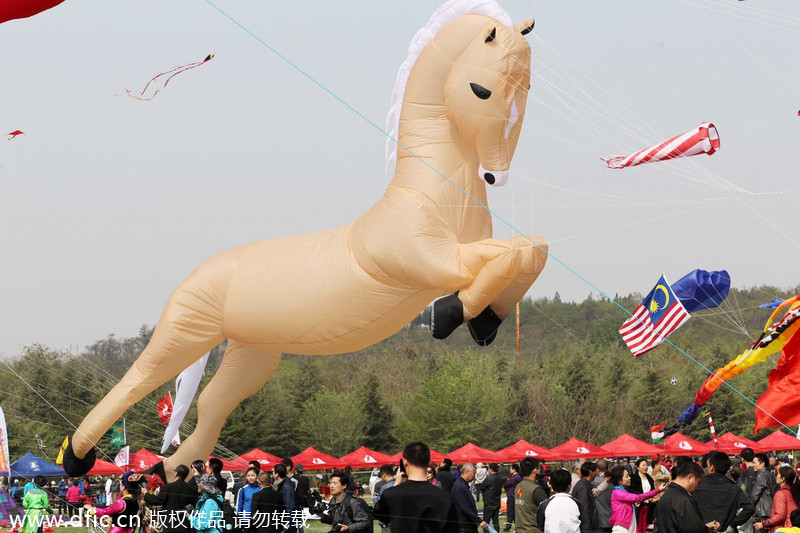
[{"x": 165, "y": 409}]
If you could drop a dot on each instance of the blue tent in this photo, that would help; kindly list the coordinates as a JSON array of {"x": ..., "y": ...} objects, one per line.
[{"x": 29, "y": 465}]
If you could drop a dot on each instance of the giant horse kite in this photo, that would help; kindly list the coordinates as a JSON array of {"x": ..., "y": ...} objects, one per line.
[{"x": 461, "y": 96}]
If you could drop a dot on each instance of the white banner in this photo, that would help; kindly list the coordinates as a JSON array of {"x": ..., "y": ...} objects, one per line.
[
  {"x": 5, "y": 458},
  {"x": 123, "y": 457},
  {"x": 186, "y": 385}
]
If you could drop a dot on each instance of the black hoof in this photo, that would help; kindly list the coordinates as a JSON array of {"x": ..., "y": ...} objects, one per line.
[
  {"x": 157, "y": 470},
  {"x": 484, "y": 327},
  {"x": 447, "y": 315},
  {"x": 75, "y": 467}
]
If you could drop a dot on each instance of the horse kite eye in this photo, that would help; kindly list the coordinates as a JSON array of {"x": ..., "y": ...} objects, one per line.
[
  {"x": 481, "y": 92},
  {"x": 491, "y": 36}
]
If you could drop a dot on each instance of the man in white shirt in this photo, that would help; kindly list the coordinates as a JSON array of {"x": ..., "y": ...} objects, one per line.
[{"x": 561, "y": 512}]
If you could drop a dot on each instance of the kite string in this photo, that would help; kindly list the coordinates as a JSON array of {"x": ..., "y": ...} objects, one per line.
[{"x": 471, "y": 197}]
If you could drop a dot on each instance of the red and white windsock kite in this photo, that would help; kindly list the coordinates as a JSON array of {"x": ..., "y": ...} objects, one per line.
[{"x": 701, "y": 140}]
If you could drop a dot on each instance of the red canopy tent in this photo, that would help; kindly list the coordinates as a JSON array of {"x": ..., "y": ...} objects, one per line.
[
  {"x": 267, "y": 460},
  {"x": 521, "y": 449},
  {"x": 778, "y": 441},
  {"x": 627, "y": 446},
  {"x": 141, "y": 460},
  {"x": 364, "y": 457},
  {"x": 471, "y": 453},
  {"x": 104, "y": 468},
  {"x": 436, "y": 457},
  {"x": 574, "y": 449},
  {"x": 730, "y": 443},
  {"x": 680, "y": 444},
  {"x": 234, "y": 465},
  {"x": 312, "y": 459}
]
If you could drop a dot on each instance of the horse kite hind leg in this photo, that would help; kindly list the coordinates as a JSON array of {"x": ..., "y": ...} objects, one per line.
[{"x": 506, "y": 270}]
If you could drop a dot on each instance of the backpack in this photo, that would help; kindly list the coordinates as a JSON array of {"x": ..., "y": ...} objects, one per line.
[
  {"x": 229, "y": 518},
  {"x": 360, "y": 501}
]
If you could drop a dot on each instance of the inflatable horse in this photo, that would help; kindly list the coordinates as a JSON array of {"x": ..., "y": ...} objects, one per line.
[{"x": 461, "y": 97}]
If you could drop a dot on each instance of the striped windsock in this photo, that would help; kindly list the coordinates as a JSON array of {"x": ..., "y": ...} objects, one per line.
[
  {"x": 711, "y": 427},
  {"x": 701, "y": 140}
]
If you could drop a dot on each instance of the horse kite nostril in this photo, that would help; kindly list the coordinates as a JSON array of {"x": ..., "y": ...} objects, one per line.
[{"x": 489, "y": 177}]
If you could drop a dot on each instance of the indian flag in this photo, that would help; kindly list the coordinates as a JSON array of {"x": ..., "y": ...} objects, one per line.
[{"x": 657, "y": 434}]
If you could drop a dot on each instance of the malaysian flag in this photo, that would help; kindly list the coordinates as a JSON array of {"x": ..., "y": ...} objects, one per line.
[{"x": 659, "y": 314}]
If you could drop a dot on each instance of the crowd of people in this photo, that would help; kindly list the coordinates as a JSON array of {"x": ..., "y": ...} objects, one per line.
[{"x": 747, "y": 493}]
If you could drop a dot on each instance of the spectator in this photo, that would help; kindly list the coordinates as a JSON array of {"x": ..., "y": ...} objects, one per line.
[
  {"x": 444, "y": 477},
  {"x": 173, "y": 498},
  {"x": 285, "y": 488},
  {"x": 73, "y": 498},
  {"x": 387, "y": 480},
  {"x": 582, "y": 491},
  {"x": 784, "y": 502},
  {"x": 413, "y": 504},
  {"x": 214, "y": 467},
  {"x": 623, "y": 510},
  {"x": 115, "y": 486},
  {"x": 35, "y": 503},
  {"x": 761, "y": 491},
  {"x": 467, "y": 511},
  {"x": 529, "y": 495},
  {"x": 208, "y": 512},
  {"x": 345, "y": 513},
  {"x": 245, "y": 495},
  {"x": 62, "y": 487},
  {"x": 560, "y": 513},
  {"x": 302, "y": 488},
  {"x": 492, "y": 489},
  {"x": 677, "y": 511},
  {"x": 265, "y": 506},
  {"x": 16, "y": 491},
  {"x": 642, "y": 482},
  {"x": 480, "y": 476},
  {"x": 430, "y": 475},
  {"x": 721, "y": 499},
  {"x": 510, "y": 487},
  {"x": 243, "y": 481}
]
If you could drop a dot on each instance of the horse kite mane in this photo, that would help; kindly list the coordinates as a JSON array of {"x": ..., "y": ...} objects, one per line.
[{"x": 447, "y": 12}]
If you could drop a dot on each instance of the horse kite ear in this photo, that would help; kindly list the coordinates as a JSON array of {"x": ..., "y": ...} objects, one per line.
[
  {"x": 491, "y": 36},
  {"x": 525, "y": 27}
]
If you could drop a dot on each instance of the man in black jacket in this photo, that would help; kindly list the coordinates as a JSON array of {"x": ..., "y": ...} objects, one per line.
[
  {"x": 492, "y": 489},
  {"x": 677, "y": 510},
  {"x": 444, "y": 477},
  {"x": 302, "y": 490},
  {"x": 582, "y": 491},
  {"x": 468, "y": 519},
  {"x": 173, "y": 497},
  {"x": 721, "y": 499}
]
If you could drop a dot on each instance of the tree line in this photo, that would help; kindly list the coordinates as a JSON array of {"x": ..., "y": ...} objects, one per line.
[{"x": 572, "y": 377}]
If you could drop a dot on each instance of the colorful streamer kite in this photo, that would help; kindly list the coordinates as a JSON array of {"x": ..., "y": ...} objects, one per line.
[
  {"x": 774, "y": 336},
  {"x": 164, "y": 78},
  {"x": 701, "y": 140}
]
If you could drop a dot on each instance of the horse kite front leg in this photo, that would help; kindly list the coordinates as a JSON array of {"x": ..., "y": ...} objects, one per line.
[{"x": 503, "y": 271}]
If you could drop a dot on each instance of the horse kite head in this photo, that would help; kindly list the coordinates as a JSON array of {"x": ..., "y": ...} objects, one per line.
[{"x": 471, "y": 66}]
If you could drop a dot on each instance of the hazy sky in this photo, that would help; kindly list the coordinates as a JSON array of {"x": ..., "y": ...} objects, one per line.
[{"x": 108, "y": 202}]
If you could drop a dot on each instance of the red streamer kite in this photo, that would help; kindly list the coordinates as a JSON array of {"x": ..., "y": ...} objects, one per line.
[
  {"x": 164, "y": 77},
  {"x": 15, "y": 132},
  {"x": 20, "y": 9}
]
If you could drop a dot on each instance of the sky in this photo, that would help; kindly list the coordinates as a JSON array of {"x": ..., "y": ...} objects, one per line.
[{"x": 109, "y": 202}]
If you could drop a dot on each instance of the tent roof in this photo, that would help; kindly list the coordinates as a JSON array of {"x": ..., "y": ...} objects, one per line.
[
  {"x": 574, "y": 449},
  {"x": 521, "y": 449},
  {"x": 312, "y": 459},
  {"x": 364, "y": 457},
  {"x": 471, "y": 453},
  {"x": 266, "y": 459},
  {"x": 680, "y": 444},
  {"x": 104, "y": 468},
  {"x": 142, "y": 459},
  {"x": 778, "y": 441},
  {"x": 730, "y": 443},
  {"x": 30, "y": 465},
  {"x": 234, "y": 465},
  {"x": 626, "y": 445}
]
